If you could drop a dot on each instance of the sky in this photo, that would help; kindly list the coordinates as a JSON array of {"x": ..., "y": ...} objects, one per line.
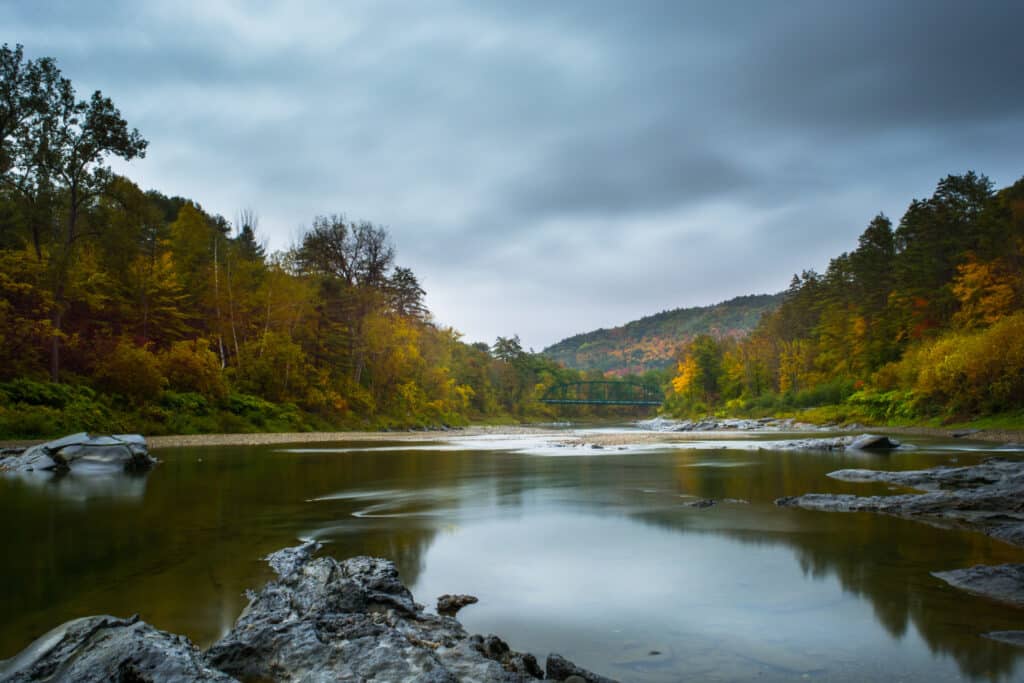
[{"x": 548, "y": 168}]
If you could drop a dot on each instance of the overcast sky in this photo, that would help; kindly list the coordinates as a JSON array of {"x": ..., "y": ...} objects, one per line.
[{"x": 547, "y": 168}]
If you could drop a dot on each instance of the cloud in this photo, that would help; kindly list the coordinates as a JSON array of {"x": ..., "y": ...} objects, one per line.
[{"x": 547, "y": 168}]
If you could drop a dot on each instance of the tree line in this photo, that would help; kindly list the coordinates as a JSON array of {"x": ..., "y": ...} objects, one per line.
[
  {"x": 129, "y": 309},
  {"x": 922, "y": 319}
]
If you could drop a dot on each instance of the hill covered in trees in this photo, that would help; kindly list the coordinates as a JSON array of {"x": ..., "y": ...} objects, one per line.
[
  {"x": 653, "y": 342},
  {"x": 922, "y": 320}
]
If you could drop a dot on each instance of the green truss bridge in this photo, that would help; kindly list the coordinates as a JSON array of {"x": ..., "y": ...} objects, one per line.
[{"x": 604, "y": 393}]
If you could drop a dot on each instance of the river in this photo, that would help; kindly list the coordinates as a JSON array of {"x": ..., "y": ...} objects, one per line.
[{"x": 592, "y": 553}]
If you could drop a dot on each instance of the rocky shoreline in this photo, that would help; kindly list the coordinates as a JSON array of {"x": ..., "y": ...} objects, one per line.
[
  {"x": 321, "y": 619},
  {"x": 987, "y": 497}
]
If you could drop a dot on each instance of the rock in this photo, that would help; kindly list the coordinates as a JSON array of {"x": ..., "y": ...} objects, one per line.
[
  {"x": 873, "y": 442},
  {"x": 561, "y": 669},
  {"x": 320, "y": 620},
  {"x": 961, "y": 433},
  {"x": 988, "y": 497},
  {"x": 1004, "y": 582},
  {"x": 105, "y": 648},
  {"x": 837, "y": 443},
  {"x": 864, "y": 442},
  {"x": 449, "y": 605},
  {"x": 329, "y": 620},
  {"x": 494, "y": 648},
  {"x": 701, "y": 504},
  {"x": 80, "y": 452},
  {"x": 1008, "y": 637}
]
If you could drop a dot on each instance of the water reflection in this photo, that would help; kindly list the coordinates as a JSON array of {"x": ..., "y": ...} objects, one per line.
[
  {"x": 595, "y": 555},
  {"x": 81, "y": 485}
]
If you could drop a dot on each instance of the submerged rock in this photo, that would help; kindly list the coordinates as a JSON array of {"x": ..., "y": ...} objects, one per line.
[
  {"x": 81, "y": 452},
  {"x": 103, "y": 648},
  {"x": 1004, "y": 582}
]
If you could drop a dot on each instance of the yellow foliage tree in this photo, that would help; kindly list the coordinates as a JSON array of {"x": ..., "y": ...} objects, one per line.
[{"x": 986, "y": 292}]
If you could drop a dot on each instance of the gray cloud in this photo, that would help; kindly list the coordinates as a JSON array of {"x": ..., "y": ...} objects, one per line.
[{"x": 548, "y": 167}]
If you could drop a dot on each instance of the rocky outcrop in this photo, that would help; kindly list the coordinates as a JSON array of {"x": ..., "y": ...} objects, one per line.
[
  {"x": 354, "y": 619},
  {"x": 81, "y": 452},
  {"x": 102, "y": 649},
  {"x": 1004, "y": 582},
  {"x": 320, "y": 620},
  {"x": 988, "y": 497}
]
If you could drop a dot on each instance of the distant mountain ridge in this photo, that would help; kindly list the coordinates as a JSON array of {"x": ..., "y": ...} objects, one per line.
[{"x": 651, "y": 342}]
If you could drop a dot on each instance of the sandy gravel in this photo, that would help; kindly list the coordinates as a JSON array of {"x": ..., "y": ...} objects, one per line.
[
  {"x": 569, "y": 436},
  {"x": 326, "y": 437}
]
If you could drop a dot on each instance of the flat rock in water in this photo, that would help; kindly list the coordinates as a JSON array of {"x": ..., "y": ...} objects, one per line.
[
  {"x": 103, "y": 648},
  {"x": 1004, "y": 582}
]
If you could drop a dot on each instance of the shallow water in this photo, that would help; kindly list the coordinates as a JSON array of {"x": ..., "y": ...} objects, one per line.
[{"x": 590, "y": 553}]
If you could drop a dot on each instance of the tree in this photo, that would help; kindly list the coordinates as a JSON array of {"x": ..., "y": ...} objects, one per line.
[
  {"x": 58, "y": 153},
  {"x": 406, "y": 294}
]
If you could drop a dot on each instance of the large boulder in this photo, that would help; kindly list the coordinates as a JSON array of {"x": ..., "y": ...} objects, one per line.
[
  {"x": 873, "y": 442},
  {"x": 104, "y": 648},
  {"x": 81, "y": 452}
]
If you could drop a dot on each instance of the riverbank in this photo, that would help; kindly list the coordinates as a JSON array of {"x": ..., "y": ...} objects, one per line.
[{"x": 612, "y": 438}]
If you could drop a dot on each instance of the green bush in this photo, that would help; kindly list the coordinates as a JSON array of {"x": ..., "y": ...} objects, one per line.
[
  {"x": 190, "y": 366},
  {"x": 49, "y": 394},
  {"x": 186, "y": 402},
  {"x": 131, "y": 371}
]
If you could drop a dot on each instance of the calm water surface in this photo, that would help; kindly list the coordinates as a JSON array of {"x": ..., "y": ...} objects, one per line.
[{"x": 590, "y": 553}]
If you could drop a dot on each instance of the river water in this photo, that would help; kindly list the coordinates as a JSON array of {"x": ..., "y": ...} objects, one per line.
[{"x": 590, "y": 553}]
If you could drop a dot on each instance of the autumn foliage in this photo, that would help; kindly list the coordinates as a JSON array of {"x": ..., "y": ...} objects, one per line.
[
  {"x": 123, "y": 309},
  {"x": 924, "y": 319}
]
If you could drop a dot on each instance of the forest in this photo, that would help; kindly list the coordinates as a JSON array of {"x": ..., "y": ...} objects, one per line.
[
  {"x": 922, "y": 321},
  {"x": 130, "y": 310}
]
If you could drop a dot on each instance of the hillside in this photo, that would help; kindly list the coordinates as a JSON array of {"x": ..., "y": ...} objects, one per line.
[{"x": 651, "y": 343}]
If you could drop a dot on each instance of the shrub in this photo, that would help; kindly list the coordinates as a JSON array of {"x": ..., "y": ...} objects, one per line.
[
  {"x": 964, "y": 372},
  {"x": 190, "y": 366},
  {"x": 131, "y": 371},
  {"x": 48, "y": 394}
]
